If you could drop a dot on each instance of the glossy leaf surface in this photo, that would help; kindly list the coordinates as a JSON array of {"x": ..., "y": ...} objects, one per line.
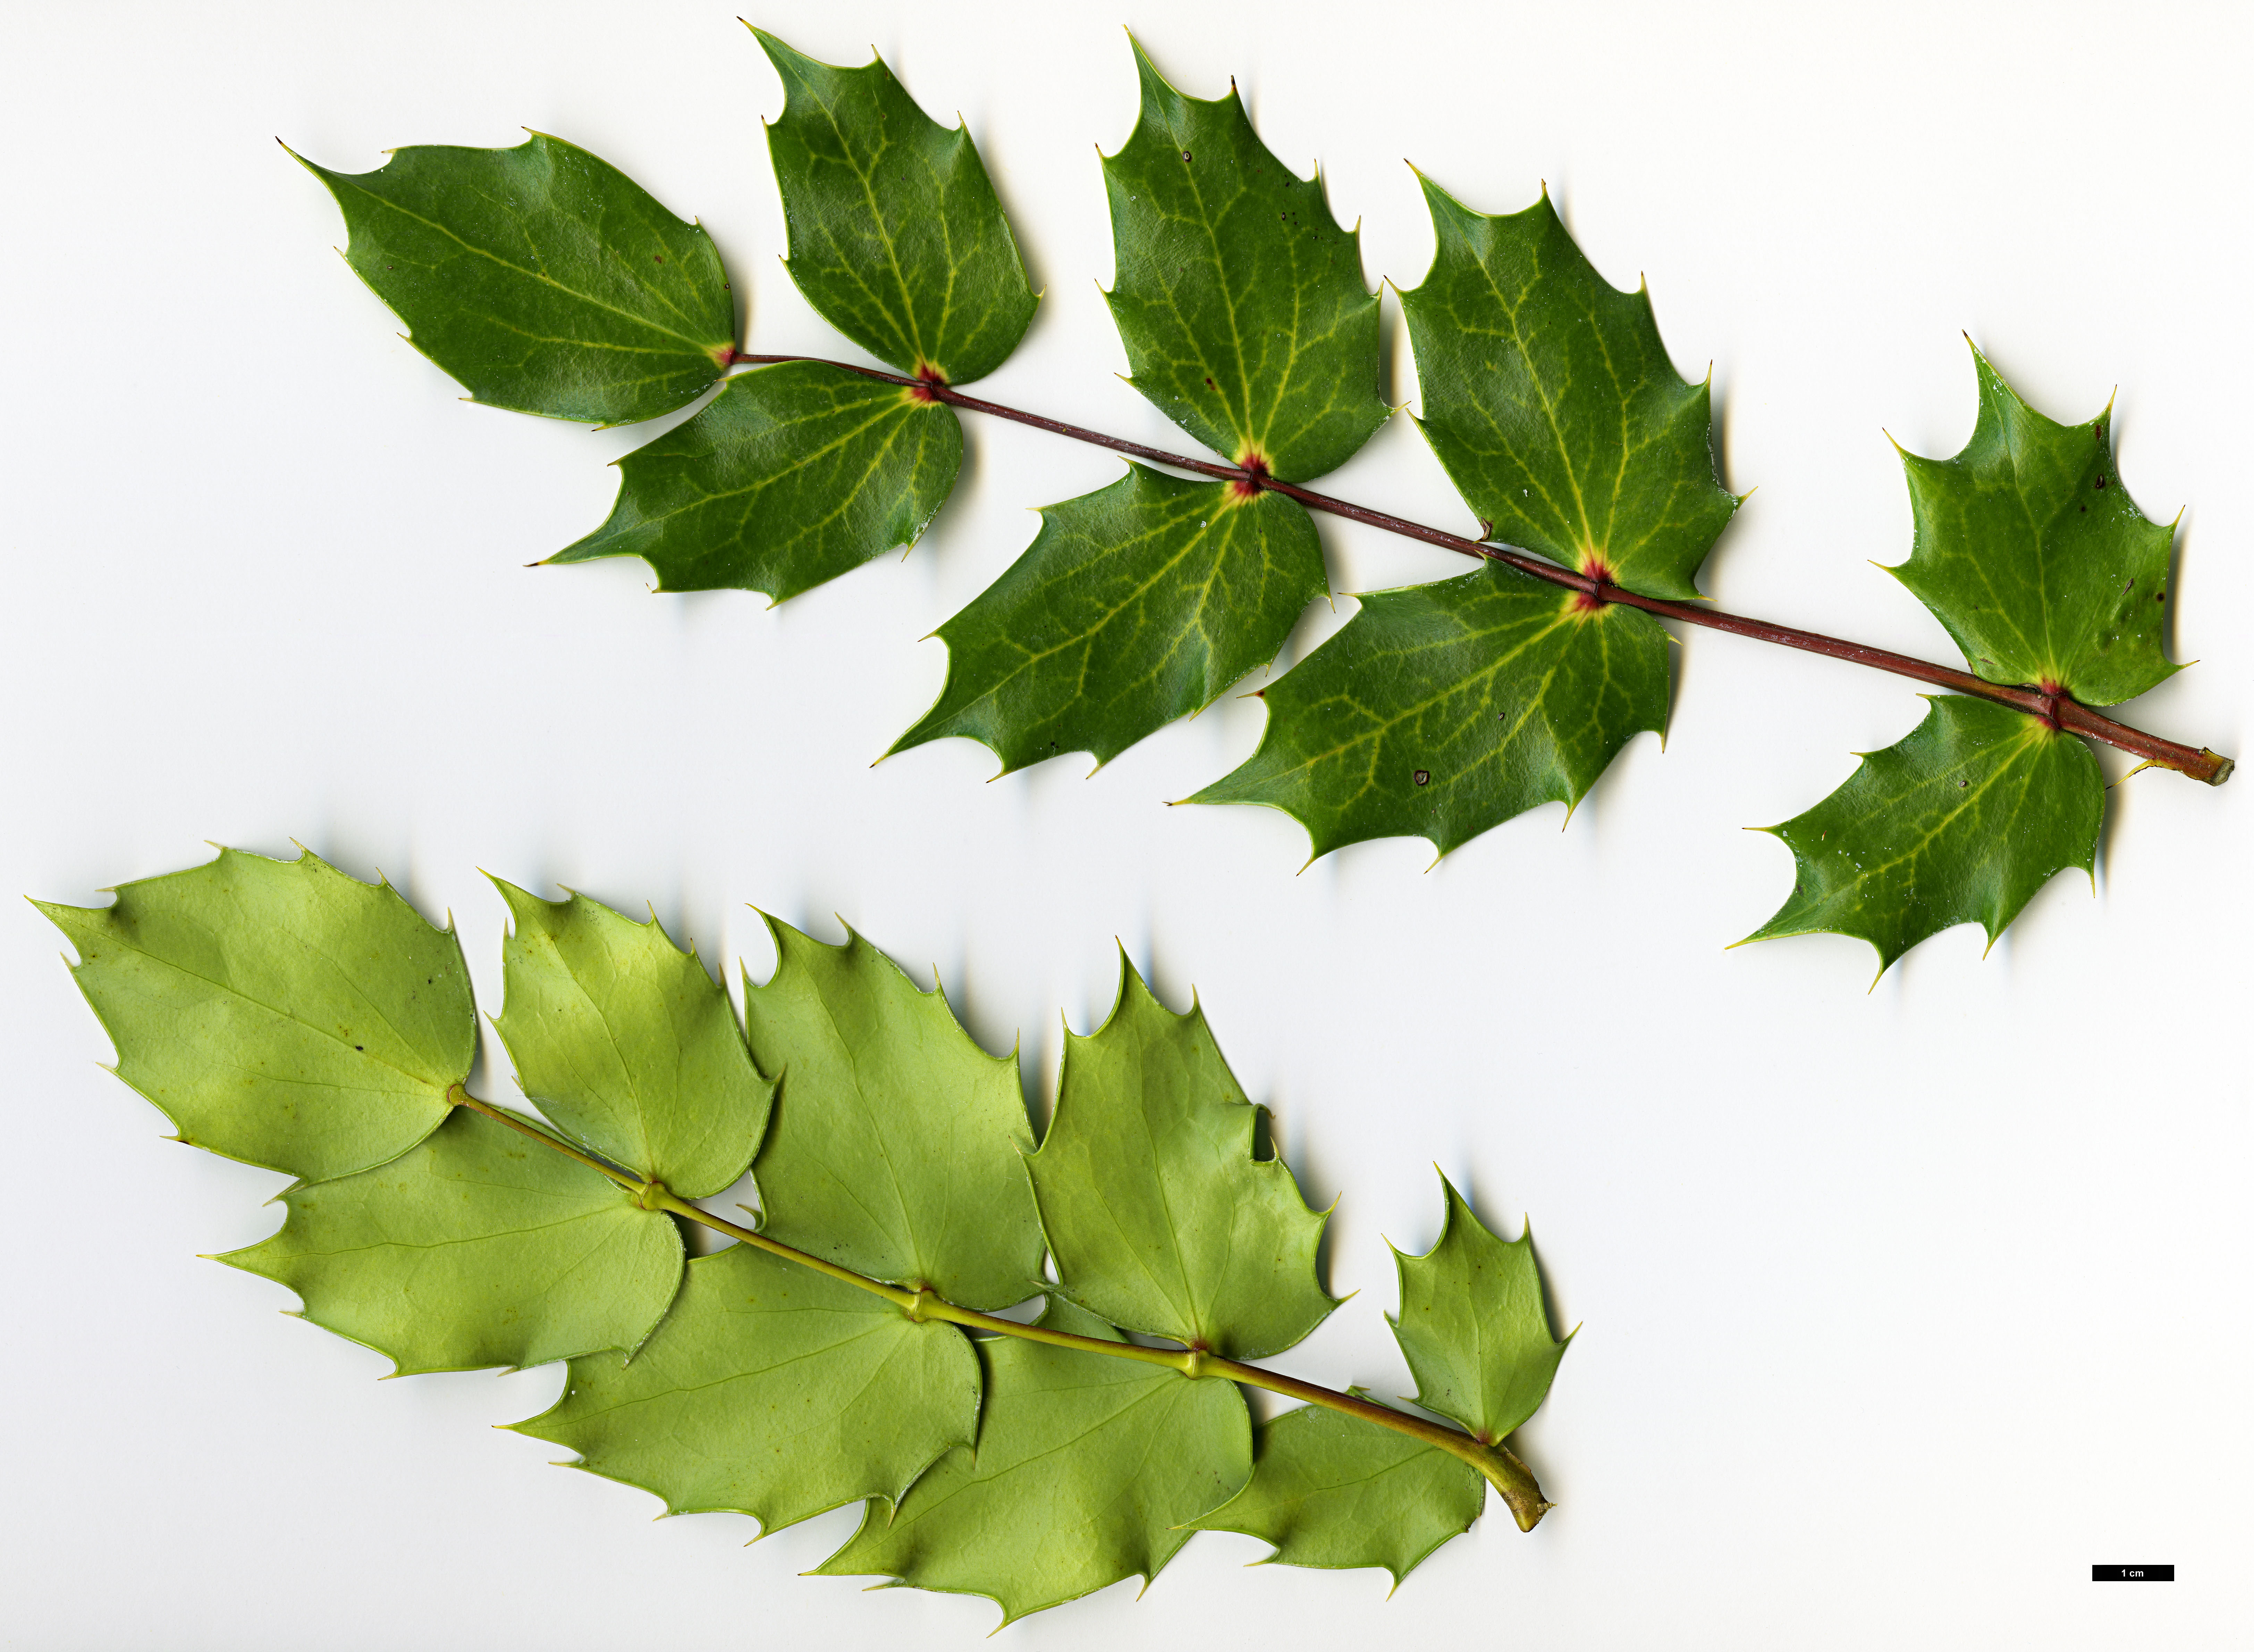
[
  {"x": 1550, "y": 401},
  {"x": 1330, "y": 1490},
  {"x": 543, "y": 279},
  {"x": 279, "y": 1013},
  {"x": 1239, "y": 298},
  {"x": 1473, "y": 1325},
  {"x": 474, "y": 1248},
  {"x": 1440, "y": 711},
  {"x": 1159, "y": 1215},
  {"x": 2031, "y": 552},
  {"x": 1134, "y": 606},
  {"x": 896, "y": 236},
  {"x": 770, "y": 1390},
  {"x": 1087, "y": 1470},
  {"x": 897, "y": 1142},
  {"x": 795, "y": 474},
  {"x": 627, "y": 1045},
  {"x": 1959, "y": 822}
]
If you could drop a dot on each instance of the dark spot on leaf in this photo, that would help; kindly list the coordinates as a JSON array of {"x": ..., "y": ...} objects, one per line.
[
  {"x": 1424, "y": 776},
  {"x": 1961, "y": 785},
  {"x": 661, "y": 260},
  {"x": 2101, "y": 481},
  {"x": 1210, "y": 385},
  {"x": 1185, "y": 154},
  {"x": 360, "y": 1046}
]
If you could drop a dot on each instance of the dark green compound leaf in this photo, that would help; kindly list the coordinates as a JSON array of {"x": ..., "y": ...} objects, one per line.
[
  {"x": 1238, "y": 296},
  {"x": 1959, "y": 822},
  {"x": 795, "y": 474},
  {"x": 1160, "y": 1217},
  {"x": 896, "y": 236},
  {"x": 1550, "y": 401},
  {"x": 896, "y": 1143},
  {"x": 474, "y": 1248},
  {"x": 1474, "y": 1327},
  {"x": 1087, "y": 1470},
  {"x": 279, "y": 1013},
  {"x": 1440, "y": 711},
  {"x": 770, "y": 1390},
  {"x": 627, "y": 1045},
  {"x": 541, "y": 279},
  {"x": 1134, "y": 606},
  {"x": 1330, "y": 1490},
  {"x": 2032, "y": 554}
]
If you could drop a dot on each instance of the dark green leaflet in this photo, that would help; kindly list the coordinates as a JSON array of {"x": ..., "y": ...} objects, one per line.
[
  {"x": 1238, "y": 296},
  {"x": 2031, "y": 552},
  {"x": 1134, "y": 606},
  {"x": 1959, "y": 822},
  {"x": 543, "y": 279},
  {"x": 793, "y": 475},
  {"x": 1551, "y": 402},
  {"x": 1440, "y": 711},
  {"x": 896, "y": 236}
]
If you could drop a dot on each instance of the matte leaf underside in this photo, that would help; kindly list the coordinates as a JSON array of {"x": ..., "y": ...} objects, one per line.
[
  {"x": 627, "y": 1045},
  {"x": 1333, "y": 1491},
  {"x": 770, "y": 1390},
  {"x": 1087, "y": 1470},
  {"x": 475, "y": 1248},
  {"x": 1159, "y": 1215},
  {"x": 279, "y": 1011},
  {"x": 541, "y": 279},
  {"x": 795, "y": 474},
  {"x": 1960, "y": 821},
  {"x": 897, "y": 1144},
  {"x": 1134, "y": 606},
  {"x": 1551, "y": 402},
  {"x": 1473, "y": 1325},
  {"x": 896, "y": 236},
  {"x": 304, "y": 1020},
  {"x": 1440, "y": 711},
  {"x": 1238, "y": 296}
]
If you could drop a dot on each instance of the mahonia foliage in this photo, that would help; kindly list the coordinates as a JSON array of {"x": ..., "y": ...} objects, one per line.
[
  {"x": 2031, "y": 553},
  {"x": 287, "y": 1014},
  {"x": 1440, "y": 711}
]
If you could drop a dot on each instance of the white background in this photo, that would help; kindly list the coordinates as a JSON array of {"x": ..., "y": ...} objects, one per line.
[{"x": 1901, "y": 1306}]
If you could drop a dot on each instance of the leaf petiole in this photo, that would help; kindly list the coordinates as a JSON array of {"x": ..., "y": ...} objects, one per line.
[
  {"x": 1496, "y": 1462},
  {"x": 2060, "y": 709}
]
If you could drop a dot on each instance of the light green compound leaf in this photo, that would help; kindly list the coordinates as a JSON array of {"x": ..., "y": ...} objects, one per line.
[
  {"x": 1959, "y": 822},
  {"x": 1159, "y": 1215},
  {"x": 1087, "y": 1470},
  {"x": 770, "y": 1390},
  {"x": 793, "y": 475},
  {"x": 541, "y": 279},
  {"x": 1330, "y": 1490},
  {"x": 1474, "y": 1327},
  {"x": 1440, "y": 711},
  {"x": 1551, "y": 402},
  {"x": 279, "y": 1011},
  {"x": 627, "y": 1045},
  {"x": 2032, "y": 554},
  {"x": 1238, "y": 296},
  {"x": 896, "y": 236},
  {"x": 895, "y": 1149},
  {"x": 475, "y": 1248},
  {"x": 1134, "y": 604}
]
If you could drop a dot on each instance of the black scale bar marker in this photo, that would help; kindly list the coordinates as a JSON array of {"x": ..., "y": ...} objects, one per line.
[{"x": 2133, "y": 1574}]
